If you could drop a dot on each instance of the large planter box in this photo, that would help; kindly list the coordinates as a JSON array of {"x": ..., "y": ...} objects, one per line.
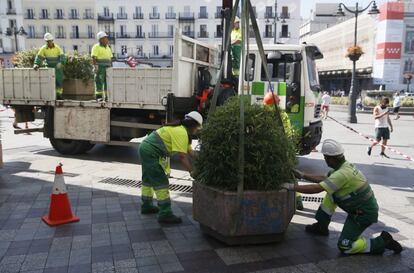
[
  {"x": 75, "y": 89},
  {"x": 262, "y": 218}
]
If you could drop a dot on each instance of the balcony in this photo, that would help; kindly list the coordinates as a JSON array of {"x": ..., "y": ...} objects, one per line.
[
  {"x": 11, "y": 11},
  {"x": 88, "y": 16},
  {"x": 35, "y": 36},
  {"x": 58, "y": 16},
  {"x": 74, "y": 16},
  {"x": 268, "y": 34},
  {"x": 202, "y": 34},
  {"x": 44, "y": 16},
  {"x": 269, "y": 15},
  {"x": 218, "y": 34},
  {"x": 218, "y": 15},
  {"x": 75, "y": 35},
  {"x": 60, "y": 36},
  {"x": 130, "y": 35},
  {"x": 203, "y": 15},
  {"x": 284, "y": 34},
  {"x": 160, "y": 35},
  {"x": 186, "y": 16},
  {"x": 171, "y": 15},
  {"x": 105, "y": 16},
  {"x": 188, "y": 33},
  {"x": 138, "y": 16},
  {"x": 29, "y": 16},
  {"x": 159, "y": 55},
  {"x": 154, "y": 15},
  {"x": 122, "y": 16},
  {"x": 285, "y": 15}
]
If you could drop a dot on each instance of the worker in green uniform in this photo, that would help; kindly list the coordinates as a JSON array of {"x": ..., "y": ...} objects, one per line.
[
  {"x": 102, "y": 59},
  {"x": 53, "y": 55},
  {"x": 154, "y": 151},
  {"x": 236, "y": 44},
  {"x": 347, "y": 188},
  {"x": 290, "y": 132}
]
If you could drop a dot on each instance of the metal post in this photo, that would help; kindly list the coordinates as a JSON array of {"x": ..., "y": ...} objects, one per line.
[
  {"x": 408, "y": 85},
  {"x": 15, "y": 39},
  {"x": 353, "y": 92},
  {"x": 275, "y": 24}
]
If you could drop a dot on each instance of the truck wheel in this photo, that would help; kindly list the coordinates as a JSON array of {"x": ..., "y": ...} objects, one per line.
[
  {"x": 69, "y": 146},
  {"x": 86, "y": 147}
]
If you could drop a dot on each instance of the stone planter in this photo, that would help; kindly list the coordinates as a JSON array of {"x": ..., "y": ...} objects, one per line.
[
  {"x": 263, "y": 217},
  {"x": 75, "y": 89}
]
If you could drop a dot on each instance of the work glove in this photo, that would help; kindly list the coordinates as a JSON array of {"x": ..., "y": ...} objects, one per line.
[
  {"x": 298, "y": 174},
  {"x": 59, "y": 65},
  {"x": 288, "y": 186},
  {"x": 36, "y": 67}
]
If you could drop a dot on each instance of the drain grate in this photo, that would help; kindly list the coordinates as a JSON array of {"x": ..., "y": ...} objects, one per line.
[
  {"x": 137, "y": 184},
  {"x": 306, "y": 198}
]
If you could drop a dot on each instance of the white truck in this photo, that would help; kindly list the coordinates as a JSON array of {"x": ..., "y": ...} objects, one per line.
[{"x": 141, "y": 99}]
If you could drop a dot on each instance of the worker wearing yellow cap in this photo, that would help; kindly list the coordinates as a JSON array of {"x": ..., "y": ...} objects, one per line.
[
  {"x": 102, "y": 59},
  {"x": 236, "y": 43},
  {"x": 53, "y": 56}
]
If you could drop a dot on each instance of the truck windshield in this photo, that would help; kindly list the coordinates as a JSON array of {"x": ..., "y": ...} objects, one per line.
[
  {"x": 279, "y": 71},
  {"x": 312, "y": 72}
]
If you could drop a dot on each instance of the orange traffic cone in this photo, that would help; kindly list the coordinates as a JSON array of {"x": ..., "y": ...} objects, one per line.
[{"x": 59, "y": 212}]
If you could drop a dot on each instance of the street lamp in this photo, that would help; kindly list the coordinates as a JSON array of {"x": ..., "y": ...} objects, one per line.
[
  {"x": 14, "y": 32},
  {"x": 275, "y": 19},
  {"x": 353, "y": 92}
]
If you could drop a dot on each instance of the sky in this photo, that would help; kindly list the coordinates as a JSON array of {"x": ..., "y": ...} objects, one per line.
[{"x": 307, "y": 5}]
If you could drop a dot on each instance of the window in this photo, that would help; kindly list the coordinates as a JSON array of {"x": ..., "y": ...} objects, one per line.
[
  {"x": 285, "y": 12},
  {"x": 170, "y": 13},
  {"x": 9, "y": 4},
  {"x": 74, "y": 14},
  {"x": 218, "y": 12},
  {"x": 285, "y": 32},
  {"x": 203, "y": 31},
  {"x": 60, "y": 32},
  {"x": 154, "y": 30},
  {"x": 139, "y": 50},
  {"x": 171, "y": 50},
  {"x": 269, "y": 12},
  {"x": 124, "y": 50},
  {"x": 409, "y": 42},
  {"x": 90, "y": 32},
  {"x": 45, "y": 29},
  {"x": 170, "y": 30},
  {"x": 12, "y": 23},
  {"x": 122, "y": 14},
  {"x": 31, "y": 32},
  {"x": 106, "y": 11},
  {"x": 123, "y": 30},
  {"x": 30, "y": 14},
  {"x": 268, "y": 31},
  {"x": 75, "y": 48},
  {"x": 154, "y": 13},
  {"x": 107, "y": 28},
  {"x": 312, "y": 72},
  {"x": 250, "y": 67},
  {"x": 88, "y": 14},
  {"x": 59, "y": 14},
  {"x": 187, "y": 10},
  {"x": 75, "y": 32},
  {"x": 203, "y": 12},
  {"x": 155, "y": 50},
  {"x": 139, "y": 31},
  {"x": 219, "y": 32},
  {"x": 44, "y": 14},
  {"x": 138, "y": 13}
]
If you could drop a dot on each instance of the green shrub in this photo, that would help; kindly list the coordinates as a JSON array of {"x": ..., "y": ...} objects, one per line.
[
  {"x": 269, "y": 153},
  {"x": 25, "y": 58},
  {"x": 78, "y": 66},
  {"x": 339, "y": 100},
  {"x": 407, "y": 102}
]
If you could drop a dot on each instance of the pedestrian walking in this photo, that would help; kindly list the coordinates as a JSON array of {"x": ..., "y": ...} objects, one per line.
[
  {"x": 383, "y": 126},
  {"x": 346, "y": 187},
  {"x": 326, "y": 101},
  {"x": 397, "y": 105},
  {"x": 154, "y": 151}
]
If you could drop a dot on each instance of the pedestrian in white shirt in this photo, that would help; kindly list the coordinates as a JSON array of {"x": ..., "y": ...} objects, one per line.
[
  {"x": 396, "y": 105},
  {"x": 326, "y": 101}
]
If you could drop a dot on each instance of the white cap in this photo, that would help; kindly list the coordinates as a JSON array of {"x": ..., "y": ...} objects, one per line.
[
  {"x": 195, "y": 116},
  {"x": 48, "y": 37},
  {"x": 237, "y": 19},
  {"x": 331, "y": 147},
  {"x": 101, "y": 34}
]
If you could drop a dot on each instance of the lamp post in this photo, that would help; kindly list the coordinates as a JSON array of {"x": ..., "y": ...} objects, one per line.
[
  {"x": 353, "y": 94},
  {"x": 408, "y": 76},
  {"x": 14, "y": 32},
  {"x": 275, "y": 20}
]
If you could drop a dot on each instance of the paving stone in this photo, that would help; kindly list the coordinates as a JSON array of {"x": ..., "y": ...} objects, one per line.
[
  {"x": 150, "y": 269},
  {"x": 80, "y": 256},
  {"x": 172, "y": 267},
  {"x": 57, "y": 262},
  {"x": 126, "y": 270},
  {"x": 10, "y": 268},
  {"x": 142, "y": 250},
  {"x": 104, "y": 267},
  {"x": 34, "y": 261},
  {"x": 18, "y": 259},
  {"x": 79, "y": 269},
  {"x": 61, "y": 269},
  {"x": 125, "y": 263},
  {"x": 161, "y": 247},
  {"x": 144, "y": 261}
]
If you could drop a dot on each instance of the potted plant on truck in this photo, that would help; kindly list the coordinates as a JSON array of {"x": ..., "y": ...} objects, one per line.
[{"x": 262, "y": 211}]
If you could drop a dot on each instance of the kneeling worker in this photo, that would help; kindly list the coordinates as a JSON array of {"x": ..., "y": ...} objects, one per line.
[
  {"x": 102, "y": 59},
  {"x": 171, "y": 139},
  {"x": 347, "y": 188}
]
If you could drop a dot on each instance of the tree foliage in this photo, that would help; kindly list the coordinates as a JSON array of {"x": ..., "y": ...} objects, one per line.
[
  {"x": 270, "y": 154},
  {"x": 25, "y": 58},
  {"x": 78, "y": 66}
]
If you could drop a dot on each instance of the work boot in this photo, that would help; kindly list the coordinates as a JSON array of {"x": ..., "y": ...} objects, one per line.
[
  {"x": 317, "y": 229},
  {"x": 149, "y": 209},
  {"x": 369, "y": 150},
  {"x": 384, "y": 155},
  {"x": 390, "y": 243},
  {"x": 170, "y": 219}
]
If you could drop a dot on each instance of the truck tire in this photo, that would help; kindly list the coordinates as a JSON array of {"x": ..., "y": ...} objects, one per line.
[{"x": 69, "y": 146}]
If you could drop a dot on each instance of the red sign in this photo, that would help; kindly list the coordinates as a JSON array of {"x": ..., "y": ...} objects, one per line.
[
  {"x": 392, "y": 11},
  {"x": 388, "y": 51}
]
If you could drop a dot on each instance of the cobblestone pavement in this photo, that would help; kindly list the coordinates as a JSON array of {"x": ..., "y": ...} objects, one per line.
[{"x": 112, "y": 235}]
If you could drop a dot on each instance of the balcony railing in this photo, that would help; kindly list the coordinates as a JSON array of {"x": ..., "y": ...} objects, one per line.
[
  {"x": 88, "y": 16},
  {"x": 29, "y": 16},
  {"x": 75, "y": 35},
  {"x": 58, "y": 16},
  {"x": 154, "y": 15},
  {"x": 60, "y": 35},
  {"x": 11, "y": 11},
  {"x": 267, "y": 34},
  {"x": 203, "y": 15},
  {"x": 218, "y": 15},
  {"x": 122, "y": 16},
  {"x": 160, "y": 35},
  {"x": 130, "y": 35},
  {"x": 159, "y": 55},
  {"x": 269, "y": 15},
  {"x": 284, "y": 34},
  {"x": 170, "y": 15},
  {"x": 44, "y": 16},
  {"x": 105, "y": 16},
  {"x": 138, "y": 16},
  {"x": 218, "y": 34},
  {"x": 186, "y": 16},
  {"x": 202, "y": 34},
  {"x": 74, "y": 16},
  {"x": 36, "y": 35},
  {"x": 285, "y": 15},
  {"x": 189, "y": 33}
]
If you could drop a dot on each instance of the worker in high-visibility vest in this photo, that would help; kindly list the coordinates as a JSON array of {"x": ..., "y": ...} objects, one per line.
[
  {"x": 102, "y": 59},
  {"x": 54, "y": 57},
  {"x": 236, "y": 44},
  {"x": 290, "y": 132}
]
